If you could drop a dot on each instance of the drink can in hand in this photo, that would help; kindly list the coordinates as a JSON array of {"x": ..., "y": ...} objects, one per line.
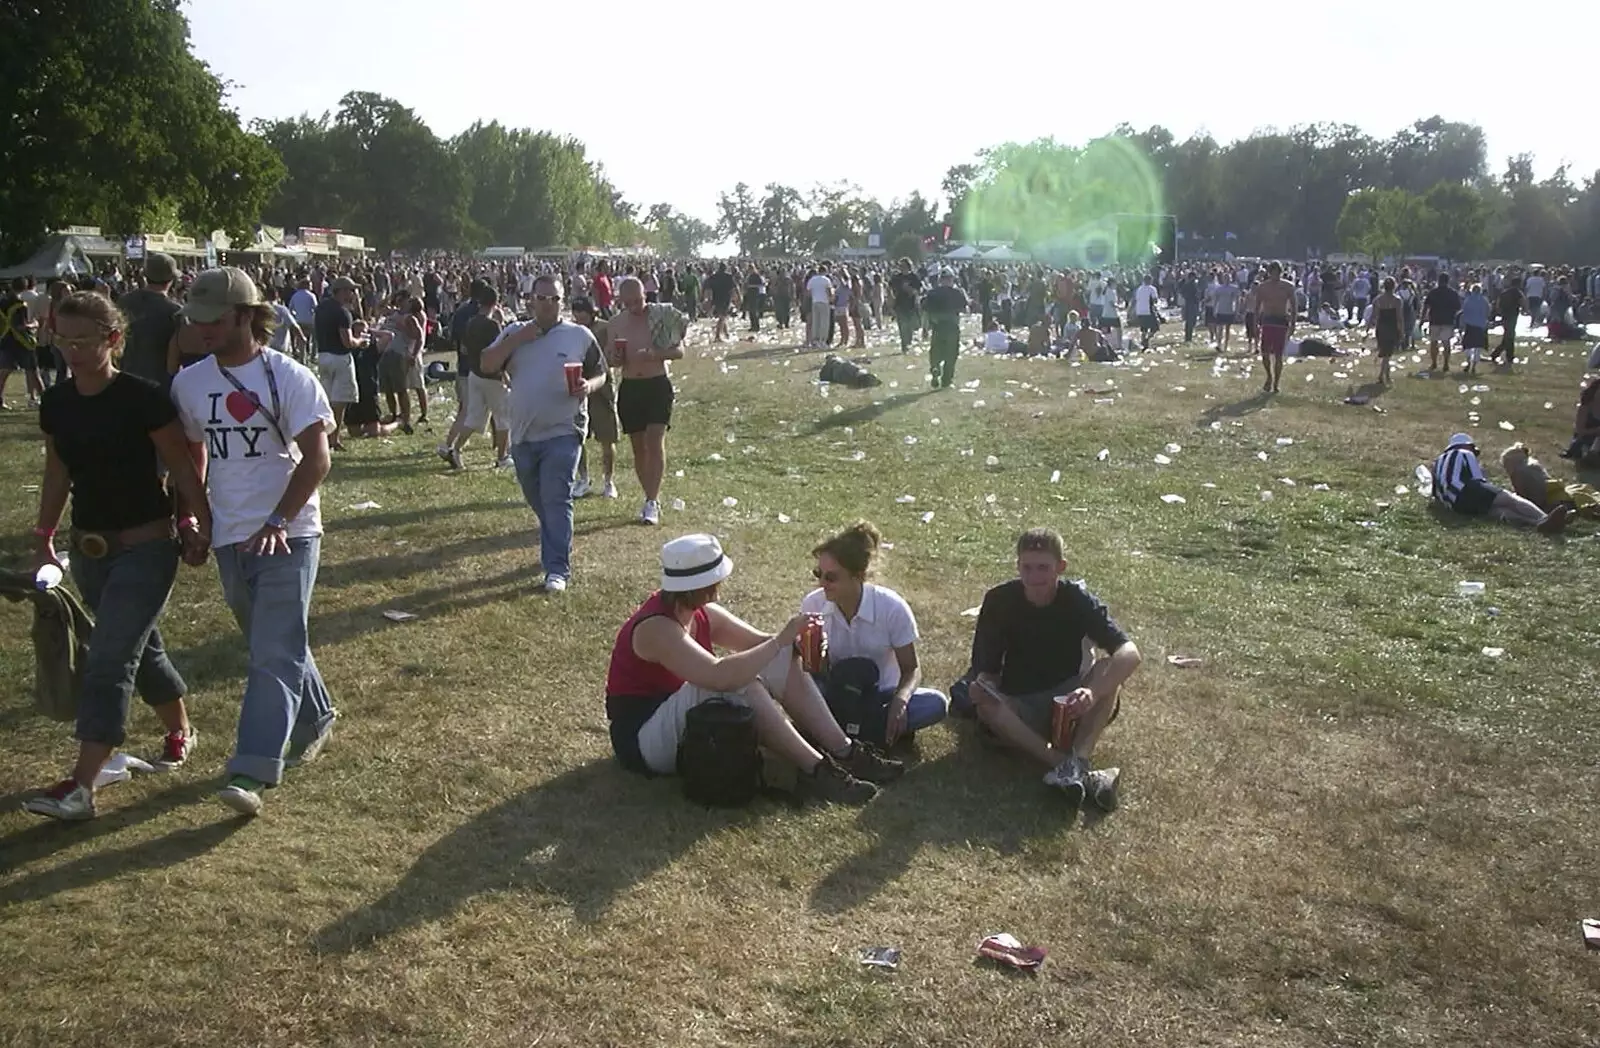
[
  {"x": 1064, "y": 713},
  {"x": 813, "y": 646}
]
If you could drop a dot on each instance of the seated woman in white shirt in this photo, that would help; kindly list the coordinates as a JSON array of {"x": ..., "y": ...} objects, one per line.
[{"x": 865, "y": 621}]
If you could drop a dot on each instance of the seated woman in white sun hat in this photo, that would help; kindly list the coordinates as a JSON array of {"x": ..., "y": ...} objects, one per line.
[{"x": 664, "y": 663}]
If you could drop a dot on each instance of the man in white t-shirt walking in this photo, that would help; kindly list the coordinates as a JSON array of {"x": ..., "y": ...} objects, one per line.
[
  {"x": 258, "y": 424},
  {"x": 1144, "y": 310},
  {"x": 820, "y": 288}
]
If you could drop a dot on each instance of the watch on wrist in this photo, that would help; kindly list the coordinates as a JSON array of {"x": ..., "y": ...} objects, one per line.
[{"x": 278, "y": 522}]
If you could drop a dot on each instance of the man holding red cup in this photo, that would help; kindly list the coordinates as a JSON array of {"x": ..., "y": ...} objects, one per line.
[
  {"x": 553, "y": 365},
  {"x": 1035, "y": 682}
]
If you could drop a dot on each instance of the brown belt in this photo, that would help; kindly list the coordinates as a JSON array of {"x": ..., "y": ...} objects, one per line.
[{"x": 98, "y": 544}]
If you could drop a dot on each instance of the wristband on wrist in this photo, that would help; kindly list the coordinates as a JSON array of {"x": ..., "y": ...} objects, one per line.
[
  {"x": 278, "y": 522},
  {"x": 189, "y": 523},
  {"x": 45, "y": 533}
]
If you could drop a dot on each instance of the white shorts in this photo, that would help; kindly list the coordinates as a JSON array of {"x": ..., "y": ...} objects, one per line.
[
  {"x": 1441, "y": 332},
  {"x": 338, "y": 373},
  {"x": 485, "y": 397},
  {"x": 660, "y": 735}
]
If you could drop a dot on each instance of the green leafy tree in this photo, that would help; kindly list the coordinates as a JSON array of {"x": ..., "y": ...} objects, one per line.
[
  {"x": 112, "y": 121},
  {"x": 1461, "y": 220}
]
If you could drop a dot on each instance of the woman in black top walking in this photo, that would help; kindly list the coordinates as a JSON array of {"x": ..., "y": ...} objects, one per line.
[{"x": 105, "y": 433}]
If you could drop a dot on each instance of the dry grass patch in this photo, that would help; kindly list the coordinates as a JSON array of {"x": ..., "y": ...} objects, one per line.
[{"x": 1349, "y": 827}]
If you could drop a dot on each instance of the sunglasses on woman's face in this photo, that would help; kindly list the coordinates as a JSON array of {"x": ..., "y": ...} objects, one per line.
[{"x": 829, "y": 577}]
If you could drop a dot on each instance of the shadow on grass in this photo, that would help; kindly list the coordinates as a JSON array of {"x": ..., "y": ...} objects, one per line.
[
  {"x": 768, "y": 352},
  {"x": 982, "y": 796},
  {"x": 157, "y": 854},
  {"x": 226, "y": 657},
  {"x": 48, "y": 836},
  {"x": 544, "y": 839},
  {"x": 1238, "y": 409},
  {"x": 398, "y": 517},
  {"x": 866, "y": 412}
]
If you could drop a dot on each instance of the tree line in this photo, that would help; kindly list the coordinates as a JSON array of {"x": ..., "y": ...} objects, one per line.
[
  {"x": 1315, "y": 189},
  {"x": 118, "y": 124}
]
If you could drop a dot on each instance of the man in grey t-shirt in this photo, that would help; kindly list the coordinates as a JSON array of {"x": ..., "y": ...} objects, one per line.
[{"x": 546, "y": 415}]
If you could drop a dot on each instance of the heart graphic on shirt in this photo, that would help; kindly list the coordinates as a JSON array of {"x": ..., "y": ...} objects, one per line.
[{"x": 240, "y": 406}]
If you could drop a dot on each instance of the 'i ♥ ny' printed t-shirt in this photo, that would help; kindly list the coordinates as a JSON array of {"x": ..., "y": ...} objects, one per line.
[{"x": 248, "y": 462}]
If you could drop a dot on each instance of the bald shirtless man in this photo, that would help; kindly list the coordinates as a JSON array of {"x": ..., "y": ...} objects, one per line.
[
  {"x": 645, "y": 394},
  {"x": 1275, "y": 314}
]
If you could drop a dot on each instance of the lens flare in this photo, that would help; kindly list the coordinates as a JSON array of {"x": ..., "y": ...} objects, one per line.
[{"x": 1080, "y": 207}]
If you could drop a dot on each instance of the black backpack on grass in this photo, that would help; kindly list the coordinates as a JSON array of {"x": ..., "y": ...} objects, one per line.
[{"x": 719, "y": 758}]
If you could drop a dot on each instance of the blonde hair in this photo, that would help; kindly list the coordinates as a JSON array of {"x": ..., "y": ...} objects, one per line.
[{"x": 1517, "y": 453}]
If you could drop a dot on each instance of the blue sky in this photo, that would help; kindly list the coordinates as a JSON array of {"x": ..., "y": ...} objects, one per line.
[{"x": 682, "y": 101}]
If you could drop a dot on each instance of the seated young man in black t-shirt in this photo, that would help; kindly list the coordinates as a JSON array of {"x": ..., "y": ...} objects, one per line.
[{"x": 1035, "y": 641}]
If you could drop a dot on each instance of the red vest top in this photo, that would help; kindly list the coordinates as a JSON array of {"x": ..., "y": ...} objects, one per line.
[{"x": 633, "y": 677}]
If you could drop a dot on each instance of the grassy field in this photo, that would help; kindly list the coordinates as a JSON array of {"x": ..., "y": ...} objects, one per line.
[{"x": 1348, "y": 827}]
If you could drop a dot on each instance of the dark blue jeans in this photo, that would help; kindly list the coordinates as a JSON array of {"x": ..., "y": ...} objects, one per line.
[{"x": 126, "y": 592}]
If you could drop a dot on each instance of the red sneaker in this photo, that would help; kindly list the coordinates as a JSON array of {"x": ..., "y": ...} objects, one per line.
[{"x": 175, "y": 749}]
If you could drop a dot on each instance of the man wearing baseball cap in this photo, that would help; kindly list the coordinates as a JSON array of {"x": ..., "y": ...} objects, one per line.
[
  {"x": 664, "y": 663},
  {"x": 152, "y": 319},
  {"x": 258, "y": 423},
  {"x": 1459, "y": 482},
  {"x": 336, "y": 348}
]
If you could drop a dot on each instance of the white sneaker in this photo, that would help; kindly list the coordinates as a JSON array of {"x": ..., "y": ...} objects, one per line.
[
  {"x": 609, "y": 491},
  {"x": 581, "y": 487},
  {"x": 505, "y": 463},
  {"x": 66, "y": 800},
  {"x": 555, "y": 584},
  {"x": 651, "y": 514}
]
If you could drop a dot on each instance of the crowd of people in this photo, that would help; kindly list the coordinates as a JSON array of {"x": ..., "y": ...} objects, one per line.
[{"x": 195, "y": 415}]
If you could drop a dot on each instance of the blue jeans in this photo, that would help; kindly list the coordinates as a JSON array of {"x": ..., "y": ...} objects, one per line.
[
  {"x": 284, "y": 695},
  {"x": 546, "y": 469},
  {"x": 126, "y": 592}
]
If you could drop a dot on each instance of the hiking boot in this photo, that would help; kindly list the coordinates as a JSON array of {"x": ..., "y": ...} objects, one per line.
[
  {"x": 1068, "y": 777},
  {"x": 1102, "y": 788},
  {"x": 1556, "y": 522},
  {"x": 831, "y": 784},
  {"x": 175, "y": 749},
  {"x": 242, "y": 794},
  {"x": 866, "y": 763},
  {"x": 67, "y": 800}
]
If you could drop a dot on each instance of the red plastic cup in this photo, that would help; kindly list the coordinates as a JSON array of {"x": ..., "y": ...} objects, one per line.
[
  {"x": 619, "y": 352},
  {"x": 574, "y": 371}
]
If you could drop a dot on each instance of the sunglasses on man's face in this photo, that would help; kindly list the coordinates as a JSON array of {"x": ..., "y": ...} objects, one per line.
[
  {"x": 547, "y": 298},
  {"x": 829, "y": 577}
]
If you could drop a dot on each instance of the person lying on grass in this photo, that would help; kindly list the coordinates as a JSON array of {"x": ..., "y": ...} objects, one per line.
[
  {"x": 1459, "y": 482},
  {"x": 872, "y": 644},
  {"x": 1533, "y": 482},
  {"x": 1035, "y": 640},
  {"x": 664, "y": 664},
  {"x": 1585, "y": 446}
]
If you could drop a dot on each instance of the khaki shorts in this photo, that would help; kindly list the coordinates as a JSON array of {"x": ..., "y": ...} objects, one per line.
[
  {"x": 338, "y": 374},
  {"x": 1441, "y": 332},
  {"x": 660, "y": 735},
  {"x": 603, "y": 414},
  {"x": 485, "y": 397}
]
